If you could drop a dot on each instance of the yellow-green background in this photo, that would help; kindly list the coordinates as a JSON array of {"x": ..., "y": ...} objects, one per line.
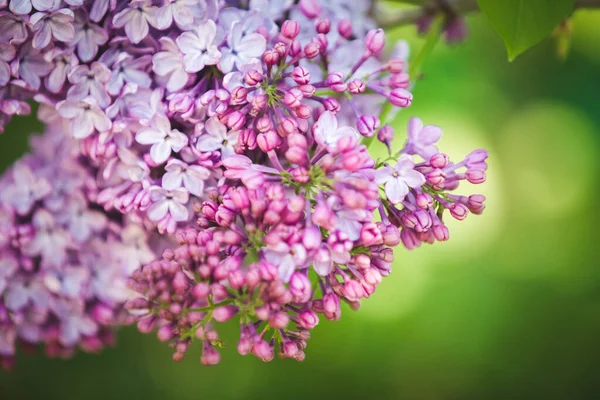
[{"x": 509, "y": 308}]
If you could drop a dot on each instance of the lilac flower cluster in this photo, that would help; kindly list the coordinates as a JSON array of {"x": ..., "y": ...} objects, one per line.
[
  {"x": 64, "y": 264},
  {"x": 241, "y": 128}
]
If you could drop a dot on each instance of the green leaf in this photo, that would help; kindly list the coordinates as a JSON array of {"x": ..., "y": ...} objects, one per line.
[{"x": 524, "y": 23}]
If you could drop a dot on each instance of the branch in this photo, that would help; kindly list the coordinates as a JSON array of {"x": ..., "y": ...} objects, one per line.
[{"x": 388, "y": 19}]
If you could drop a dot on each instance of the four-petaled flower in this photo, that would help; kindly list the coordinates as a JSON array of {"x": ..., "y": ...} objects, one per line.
[
  {"x": 191, "y": 177},
  {"x": 58, "y": 24},
  {"x": 85, "y": 116},
  {"x": 26, "y": 189},
  {"x": 422, "y": 139},
  {"x": 327, "y": 133},
  {"x": 169, "y": 63},
  {"x": 399, "y": 179},
  {"x": 199, "y": 47},
  {"x": 242, "y": 47},
  {"x": 136, "y": 18},
  {"x": 216, "y": 137},
  {"x": 168, "y": 202},
  {"x": 162, "y": 138},
  {"x": 90, "y": 81}
]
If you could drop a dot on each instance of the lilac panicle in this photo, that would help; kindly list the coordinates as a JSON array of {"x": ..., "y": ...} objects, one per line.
[{"x": 243, "y": 134}]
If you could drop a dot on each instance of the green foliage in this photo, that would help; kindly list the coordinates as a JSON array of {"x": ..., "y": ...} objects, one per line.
[{"x": 524, "y": 23}]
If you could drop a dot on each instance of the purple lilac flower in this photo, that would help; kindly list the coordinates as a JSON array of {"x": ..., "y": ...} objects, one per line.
[
  {"x": 241, "y": 135},
  {"x": 62, "y": 272}
]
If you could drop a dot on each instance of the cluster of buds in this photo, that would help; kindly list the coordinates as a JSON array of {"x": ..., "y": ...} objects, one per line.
[{"x": 243, "y": 132}]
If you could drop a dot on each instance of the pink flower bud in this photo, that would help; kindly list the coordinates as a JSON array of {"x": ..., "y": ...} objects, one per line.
[
  {"x": 386, "y": 134},
  {"x": 308, "y": 319},
  {"x": 300, "y": 287},
  {"x": 396, "y": 65},
  {"x": 239, "y": 95},
  {"x": 165, "y": 333},
  {"x": 400, "y": 81},
  {"x": 345, "y": 28},
  {"x": 247, "y": 138},
  {"x": 331, "y": 306},
  {"x": 271, "y": 57},
  {"x": 370, "y": 234},
  {"x": 439, "y": 160},
  {"x": 295, "y": 48},
  {"x": 300, "y": 75},
  {"x": 263, "y": 350},
  {"x": 312, "y": 238},
  {"x": 401, "y": 97},
  {"x": 253, "y": 78},
  {"x": 259, "y": 101},
  {"x": 367, "y": 124},
  {"x": 335, "y": 80},
  {"x": 303, "y": 111},
  {"x": 210, "y": 355},
  {"x": 281, "y": 49},
  {"x": 424, "y": 201},
  {"x": 268, "y": 141},
  {"x": 323, "y": 43},
  {"x": 356, "y": 86},
  {"x": 290, "y": 29},
  {"x": 331, "y": 104},
  {"x": 375, "y": 40},
  {"x": 323, "y": 26},
  {"x": 475, "y": 176},
  {"x": 310, "y": 8},
  {"x": 307, "y": 90},
  {"x": 440, "y": 232},
  {"x": 290, "y": 349},
  {"x": 224, "y": 313},
  {"x": 476, "y": 203},
  {"x": 459, "y": 211},
  {"x": 409, "y": 239},
  {"x": 268, "y": 271},
  {"x": 312, "y": 50},
  {"x": 390, "y": 235},
  {"x": 264, "y": 124},
  {"x": 236, "y": 120},
  {"x": 293, "y": 98},
  {"x": 287, "y": 126},
  {"x": 436, "y": 177}
]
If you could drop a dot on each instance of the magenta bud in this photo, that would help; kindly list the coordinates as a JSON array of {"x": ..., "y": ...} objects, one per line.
[
  {"x": 323, "y": 26},
  {"x": 459, "y": 211},
  {"x": 271, "y": 57},
  {"x": 259, "y": 101},
  {"x": 201, "y": 290},
  {"x": 312, "y": 50},
  {"x": 436, "y": 177},
  {"x": 210, "y": 355},
  {"x": 476, "y": 159},
  {"x": 345, "y": 28},
  {"x": 287, "y": 126},
  {"x": 307, "y": 90},
  {"x": 290, "y": 29},
  {"x": 400, "y": 81},
  {"x": 239, "y": 95},
  {"x": 312, "y": 238},
  {"x": 424, "y": 220},
  {"x": 310, "y": 8},
  {"x": 295, "y": 48},
  {"x": 373, "y": 276},
  {"x": 475, "y": 176},
  {"x": 367, "y": 124},
  {"x": 279, "y": 320},
  {"x": 409, "y": 239},
  {"x": 165, "y": 333},
  {"x": 439, "y": 160},
  {"x": 353, "y": 290},
  {"x": 308, "y": 319},
  {"x": 331, "y": 306},
  {"x": 293, "y": 97},
  {"x": 268, "y": 141},
  {"x": 179, "y": 283},
  {"x": 386, "y": 134},
  {"x": 268, "y": 271},
  {"x": 401, "y": 97},
  {"x": 264, "y": 124},
  {"x": 281, "y": 49},
  {"x": 146, "y": 325},
  {"x": 396, "y": 65},
  {"x": 300, "y": 287},
  {"x": 236, "y": 120},
  {"x": 375, "y": 40},
  {"x": 424, "y": 201},
  {"x": 300, "y": 75},
  {"x": 263, "y": 350},
  {"x": 476, "y": 203},
  {"x": 356, "y": 86},
  {"x": 390, "y": 235},
  {"x": 303, "y": 111},
  {"x": 253, "y": 78},
  {"x": 244, "y": 345},
  {"x": 224, "y": 313},
  {"x": 440, "y": 232},
  {"x": 103, "y": 314},
  {"x": 331, "y": 104},
  {"x": 290, "y": 349},
  {"x": 335, "y": 80}
]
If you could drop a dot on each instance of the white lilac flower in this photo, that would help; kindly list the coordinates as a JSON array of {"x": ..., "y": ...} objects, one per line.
[
  {"x": 217, "y": 138},
  {"x": 169, "y": 63},
  {"x": 399, "y": 179},
  {"x": 136, "y": 19},
  {"x": 244, "y": 45},
  {"x": 163, "y": 139},
  {"x": 180, "y": 174},
  {"x": 85, "y": 116},
  {"x": 199, "y": 47},
  {"x": 166, "y": 202}
]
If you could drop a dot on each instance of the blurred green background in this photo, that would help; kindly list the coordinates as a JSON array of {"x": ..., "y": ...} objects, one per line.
[{"x": 509, "y": 308}]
